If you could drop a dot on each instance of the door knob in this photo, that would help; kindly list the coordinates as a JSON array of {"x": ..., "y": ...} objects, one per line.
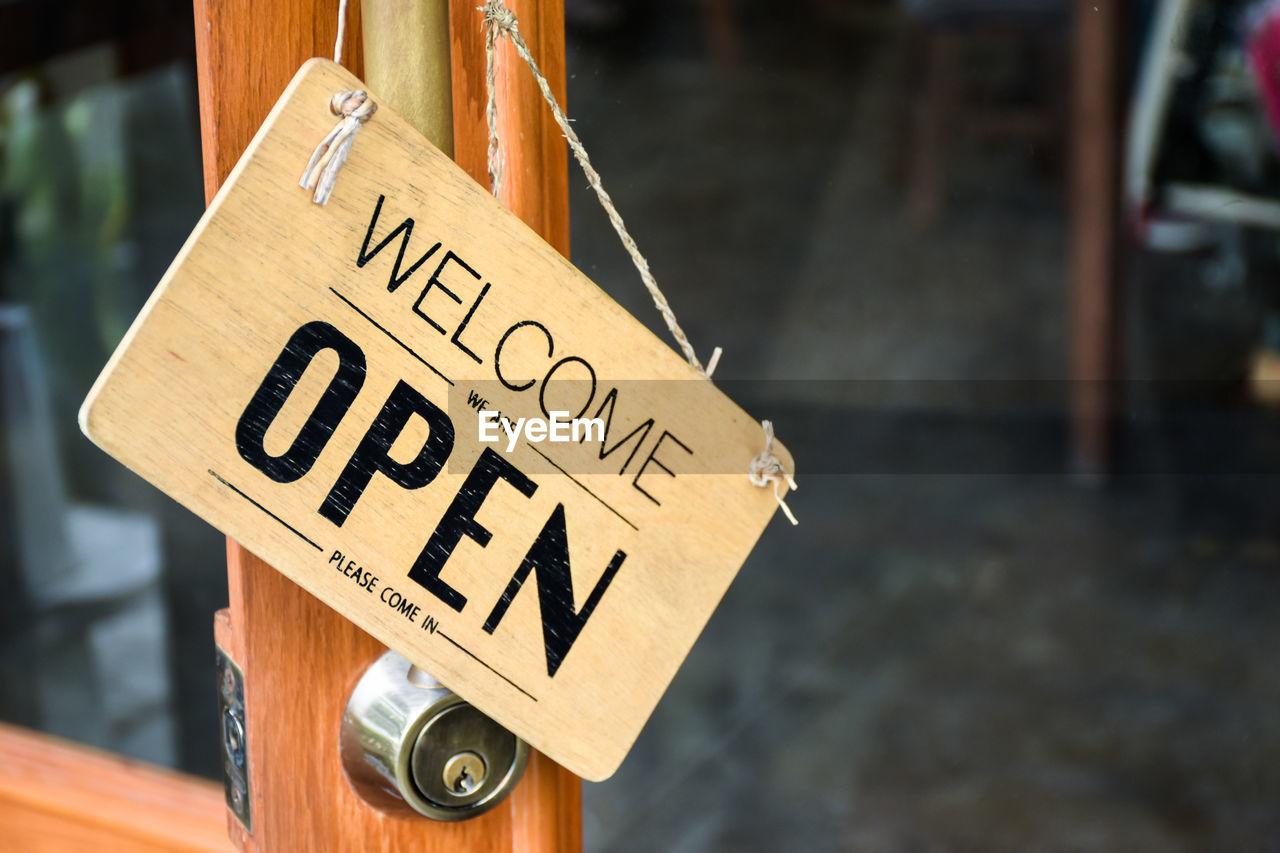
[{"x": 409, "y": 742}]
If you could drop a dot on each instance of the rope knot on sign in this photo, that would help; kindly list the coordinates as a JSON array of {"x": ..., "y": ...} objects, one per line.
[
  {"x": 766, "y": 468},
  {"x": 354, "y": 109}
]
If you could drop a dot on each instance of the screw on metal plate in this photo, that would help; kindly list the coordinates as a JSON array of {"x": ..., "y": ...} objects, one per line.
[
  {"x": 235, "y": 750},
  {"x": 408, "y": 742}
]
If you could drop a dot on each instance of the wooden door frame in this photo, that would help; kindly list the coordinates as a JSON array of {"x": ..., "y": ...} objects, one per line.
[
  {"x": 301, "y": 659},
  {"x": 57, "y": 796}
]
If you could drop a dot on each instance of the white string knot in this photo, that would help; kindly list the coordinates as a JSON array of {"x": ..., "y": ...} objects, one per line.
[
  {"x": 767, "y": 468},
  {"x": 354, "y": 109}
]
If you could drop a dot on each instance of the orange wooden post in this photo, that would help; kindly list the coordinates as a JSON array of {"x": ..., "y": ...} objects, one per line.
[
  {"x": 300, "y": 658},
  {"x": 535, "y": 188},
  {"x": 535, "y": 184}
]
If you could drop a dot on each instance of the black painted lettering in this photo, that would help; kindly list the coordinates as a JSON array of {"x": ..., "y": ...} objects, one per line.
[
  {"x": 548, "y": 559},
  {"x": 457, "y": 335},
  {"x": 497, "y": 353},
  {"x": 460, "y": 520},
  {"x": 281, "y": 379},
  {"x": 610, "y": 400},
  {"x": 652, "y": 458},
  {"x": 406, "y": 229},
  {"x": 372, "y": 455},
  {"x": 435, "y": 281},
  {"x": 542, "y": 392}
]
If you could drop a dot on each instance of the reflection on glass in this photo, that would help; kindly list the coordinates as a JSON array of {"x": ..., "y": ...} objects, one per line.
[{"x": 104, "y": 579}]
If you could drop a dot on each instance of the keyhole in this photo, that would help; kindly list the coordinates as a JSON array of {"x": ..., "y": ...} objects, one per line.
[
  {"x": 464, "y": 784},
  {"x": 464, "y": 773}
]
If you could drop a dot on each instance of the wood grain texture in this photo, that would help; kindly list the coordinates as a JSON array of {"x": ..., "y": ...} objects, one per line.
[
  {"x": 191, "y": 400},
  {"x": 547, "y": 806},
  {"x": 59, "y": 797},
  {"x": 1095, "y": 231},
  {"x": 301, "y": 797},
  {"x": 536, "y": 174},
  {"x": 246, "y": 51},
  {"x": 544, "y": 812}
]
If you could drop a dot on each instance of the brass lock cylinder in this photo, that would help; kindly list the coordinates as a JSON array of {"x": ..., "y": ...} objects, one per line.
[{"x": 410, "y": 743}]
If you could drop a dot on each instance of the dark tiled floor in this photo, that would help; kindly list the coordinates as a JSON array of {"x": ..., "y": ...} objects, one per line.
[{"x": 972, "y": 663}]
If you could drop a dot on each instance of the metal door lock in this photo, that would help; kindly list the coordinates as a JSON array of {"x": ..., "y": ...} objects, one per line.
[
  {"x": 235, "y": 751},
  {"x": 409, "y": 742}
]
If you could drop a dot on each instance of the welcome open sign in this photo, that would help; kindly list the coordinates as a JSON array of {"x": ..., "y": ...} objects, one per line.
[{"x": 310, "y": 380}]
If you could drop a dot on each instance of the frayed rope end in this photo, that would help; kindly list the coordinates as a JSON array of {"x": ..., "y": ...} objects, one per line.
[
  {"x": 767, "y": 468},
  {"x": 353, "y": 109},
  {"x": 712, "y": 362}
]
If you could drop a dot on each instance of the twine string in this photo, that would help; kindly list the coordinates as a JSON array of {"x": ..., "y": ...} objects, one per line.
[
  {"x": 500, "y": 22},
  {"x": 342, "y": 32},
  {"x": 353, "y": 109},
  {"x": 766, "y": 468},
  {"x": 491, "y": 88}
]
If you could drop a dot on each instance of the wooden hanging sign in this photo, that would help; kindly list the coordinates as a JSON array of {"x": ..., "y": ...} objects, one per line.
[{"x": 420, "y": 412}]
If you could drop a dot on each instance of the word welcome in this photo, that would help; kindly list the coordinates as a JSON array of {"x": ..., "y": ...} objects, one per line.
[
  {"x": 560, "y": 428},
  {"x": 517, "y": 358}
]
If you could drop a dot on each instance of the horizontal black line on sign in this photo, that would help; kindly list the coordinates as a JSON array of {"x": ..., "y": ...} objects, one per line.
[
  {"x": 580, "y": 485},
  {"x": 295, "y": 531},
  {"x": 476, "y": 658},
  {"x": 383, "y": 329}
]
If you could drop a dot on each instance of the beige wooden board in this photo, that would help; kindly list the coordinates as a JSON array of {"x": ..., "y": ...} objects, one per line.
[{"x": 176, "y": 404}]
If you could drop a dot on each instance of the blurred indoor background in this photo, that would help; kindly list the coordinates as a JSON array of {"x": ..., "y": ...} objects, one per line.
[{"x": 980, "y": 637}]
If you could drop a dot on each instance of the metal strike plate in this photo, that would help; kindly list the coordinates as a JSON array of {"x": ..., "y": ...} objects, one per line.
[
  {"x": 235, "y": 747},
  {"x": 409, "y": 742}
]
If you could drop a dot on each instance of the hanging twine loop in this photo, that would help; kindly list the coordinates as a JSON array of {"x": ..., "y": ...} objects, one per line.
[
  {"x": 767, "y": 468},
  {"x": 497, "y": 19},
  {"x": 500, "y": 22},
  {"x": 354, "y": 109}
]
